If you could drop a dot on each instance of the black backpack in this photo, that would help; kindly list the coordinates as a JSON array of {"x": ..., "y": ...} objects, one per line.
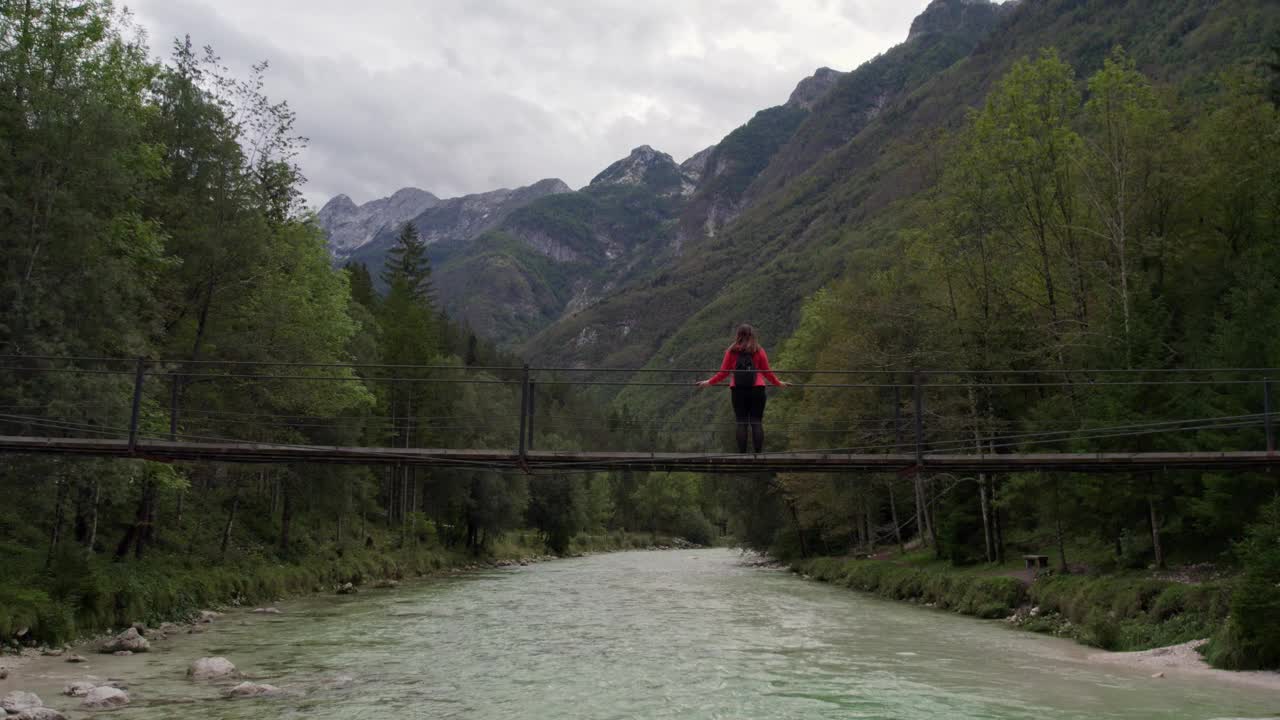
[{"x": 744, "y": 370}]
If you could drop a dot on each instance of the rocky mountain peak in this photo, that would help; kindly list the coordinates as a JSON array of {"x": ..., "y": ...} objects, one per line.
[
  {"x": 644, "y": 166},
  {"x": 350, "y": 226},
  {"x": 952, "y": 16},
  {"x": 813, "y": 88},
  {"x": 337, "y": 204}
]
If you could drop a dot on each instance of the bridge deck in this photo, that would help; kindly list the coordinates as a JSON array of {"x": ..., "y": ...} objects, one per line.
[{"x": 553, "y": 460}]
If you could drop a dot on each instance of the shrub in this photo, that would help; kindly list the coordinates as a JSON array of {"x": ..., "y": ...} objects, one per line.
[{"x": 1251, "y": 638}]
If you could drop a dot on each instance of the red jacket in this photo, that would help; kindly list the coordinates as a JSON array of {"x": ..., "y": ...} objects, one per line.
[{"x": 760, "y": 360}]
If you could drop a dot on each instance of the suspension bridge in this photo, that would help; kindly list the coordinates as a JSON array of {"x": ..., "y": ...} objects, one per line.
[{"x": 927, "y": 421}]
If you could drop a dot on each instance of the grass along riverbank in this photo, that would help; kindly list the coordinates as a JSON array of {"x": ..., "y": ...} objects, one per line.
[
  {"x": 1112, "y": 612},
  {"x": 52, "y": 607}
]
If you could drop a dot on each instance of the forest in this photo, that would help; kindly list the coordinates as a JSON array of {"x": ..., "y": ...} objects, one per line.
[{"x": 153, "y": 210}]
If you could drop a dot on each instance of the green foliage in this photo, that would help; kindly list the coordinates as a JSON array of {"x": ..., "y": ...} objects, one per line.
[
  {"x": 1251, "y": 638},
  {"x": 987, "y": 597}
]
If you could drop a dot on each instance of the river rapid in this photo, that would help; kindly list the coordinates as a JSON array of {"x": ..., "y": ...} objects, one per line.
[{"x": 677, "y": 634}]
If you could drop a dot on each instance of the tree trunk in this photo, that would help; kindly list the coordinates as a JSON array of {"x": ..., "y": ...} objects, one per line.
[
  {"x": 1155, "y": 532},
  {"x": 986, "y": 520},
  {"x": 922, "y": 525},
  {"x": 286, "y": 516},
  {"x": 795, "y": 517},
  {"x": 893, "y": 514},
  {"x": 1057, "y": 526},
  {"x": 871, "y": 530},
  {"x": 55, "y": 534},
  {"x": 231, "y": 517},
  {"x": 932, "y": 519},
  {"x": 997, "y": 526},
  {"x": 92, "y": 535}
]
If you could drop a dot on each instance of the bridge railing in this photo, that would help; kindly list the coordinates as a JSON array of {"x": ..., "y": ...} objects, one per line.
[{"x": 921, "y": 412}]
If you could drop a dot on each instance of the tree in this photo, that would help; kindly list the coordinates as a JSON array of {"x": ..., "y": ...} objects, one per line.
[{"x": 407, "y": 263}]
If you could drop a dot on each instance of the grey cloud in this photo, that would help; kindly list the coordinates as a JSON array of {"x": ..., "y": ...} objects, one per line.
[{"x": 456, "y": 96}]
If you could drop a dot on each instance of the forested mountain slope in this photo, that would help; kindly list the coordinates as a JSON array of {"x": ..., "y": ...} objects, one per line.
[{"x": 861, "y": 196}]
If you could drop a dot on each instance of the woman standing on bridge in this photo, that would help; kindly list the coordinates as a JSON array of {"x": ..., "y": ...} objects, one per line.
[{"x": 747, "y": 366}]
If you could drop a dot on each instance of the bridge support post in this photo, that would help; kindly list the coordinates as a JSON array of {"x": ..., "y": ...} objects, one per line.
[
  {"x": 1266, "y": 415},
  {"x": 524, "y": 411},
  {"x": 136, "y": 409}
]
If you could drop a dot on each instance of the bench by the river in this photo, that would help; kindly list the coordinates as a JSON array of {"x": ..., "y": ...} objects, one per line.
[{"x": 1036, "y": 562}]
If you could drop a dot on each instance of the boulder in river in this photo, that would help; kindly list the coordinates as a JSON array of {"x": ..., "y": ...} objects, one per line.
[
  {"x": 129, "y": 640},
  {"x": 40, "y": 713},
  {"x": 251, "y": 689},
  {"x": 212, "y": 668},
  {"x": 78, "y": 688},
  {"x": 208, "y": 616},
  {"x": 267, "y": 610},
  {"x": 347, "y": 589},
  {"x": 101, "y": 698},
  {"x": 76, "y": 658},
  {"x": 18, "y": 700},
  {"x": 122, "y": 653}
]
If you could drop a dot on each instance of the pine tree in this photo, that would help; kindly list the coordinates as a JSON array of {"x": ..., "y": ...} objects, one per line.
[
  {"x": 407, "y": 263},
  {"x": 361, "y": 284}
]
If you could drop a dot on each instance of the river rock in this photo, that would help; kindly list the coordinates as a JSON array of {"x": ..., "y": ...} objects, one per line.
[
  {"x": 18, "y": 700},
  {"x": 40, "y": 713},
  {"x": 4, "y": 673},
  {"x": 387, "y": 584},
  {"x": 101, "y": 698},
  {"x": 52, "y": 652},
  {"x": 267, "y": 610},
  {"x": 76, "y": 659},
  {"x": 122, "y": 653},
  {"x": 208, "y": 616},
  {"x": 129, "y": 640},
  {"x": 251, "y": 689},
  {"x": 212, "y": 668},
  {"x": 1158, "y": 675},
  {"x": 78, "y": 688},
  {"x": 347, "y": 589}
]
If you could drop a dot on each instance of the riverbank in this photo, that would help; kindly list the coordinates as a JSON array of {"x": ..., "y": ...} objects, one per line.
[
  {"x": 1116, "y": 613},
  {"x": 104, "y": 596},
  {"x": 1142, "y": 623}
]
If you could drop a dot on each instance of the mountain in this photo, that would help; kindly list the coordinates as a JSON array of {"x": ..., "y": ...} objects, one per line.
[
  {"x": 732, "y": 254},
  {"x": 350, "y": 226},
  {"x": 841, "y": 188},
  {"x": 455, "y": 219},
  {"x": 510, "y": 263},
  {"x": 563, "y": 252}
]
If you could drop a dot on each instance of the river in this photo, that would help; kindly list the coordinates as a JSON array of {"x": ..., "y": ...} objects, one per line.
[{"x": 677, "y": 634}]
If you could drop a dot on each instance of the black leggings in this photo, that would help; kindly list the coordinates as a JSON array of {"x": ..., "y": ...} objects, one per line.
[{"x": 748, "y": 409}]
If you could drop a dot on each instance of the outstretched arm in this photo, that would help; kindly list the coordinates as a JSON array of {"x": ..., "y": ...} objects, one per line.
[{"x": 725, "y": 366}]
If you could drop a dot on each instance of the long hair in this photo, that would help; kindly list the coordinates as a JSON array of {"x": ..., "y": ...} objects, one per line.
[{"x": 744, "y": 340}]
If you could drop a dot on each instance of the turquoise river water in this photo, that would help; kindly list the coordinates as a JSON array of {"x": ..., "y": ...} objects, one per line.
[{"x": 676, "y": 634}]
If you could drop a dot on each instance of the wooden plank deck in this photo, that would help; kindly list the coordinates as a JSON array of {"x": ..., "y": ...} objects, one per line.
[{"x": 546, "y": 461}]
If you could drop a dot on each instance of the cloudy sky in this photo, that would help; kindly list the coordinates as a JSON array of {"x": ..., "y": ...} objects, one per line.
[{"x": 463, "y": 96}]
